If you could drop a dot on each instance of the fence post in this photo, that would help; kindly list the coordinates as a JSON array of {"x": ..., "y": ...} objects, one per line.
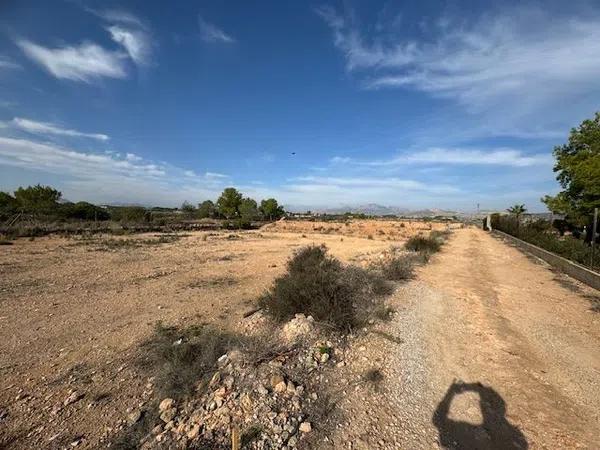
[{"x": 594, "y": 228}]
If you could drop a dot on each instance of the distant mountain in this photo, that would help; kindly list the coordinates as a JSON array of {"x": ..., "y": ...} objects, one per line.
[{"x": 374, "y": 209}]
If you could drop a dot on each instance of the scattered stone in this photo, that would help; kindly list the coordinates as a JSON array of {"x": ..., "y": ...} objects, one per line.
[
  {"x": 134, "y": 416},
  {"x": 166, "y": 403},
  {"x": 72, "y": 398},
  {"x": 277, "y": 379},
  {"x": 281, "y": 387},
  {"x": 193, "y": 432},
  {"x": 305, "y": 427},
  {"x": 298, "y": 328},
  {"x": 168, "y": 415}
]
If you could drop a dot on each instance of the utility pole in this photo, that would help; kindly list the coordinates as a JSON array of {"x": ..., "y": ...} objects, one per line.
[{"x": 594, "y": 228}]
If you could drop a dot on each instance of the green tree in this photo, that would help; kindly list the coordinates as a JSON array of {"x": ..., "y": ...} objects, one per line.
[
  {"x": 517, "y": 210},
  {"x": 84, "y": 211},
  {"x": 8, "y": 205},
  {"x": 187, "y": 208},
  {"x": 578, "y": 169},
  {"x": 229, "y": 203},
  {"x": 270, "y": 209},
  {"x": 207, "y": 209},
  {"x": 37, "y": 198},
  {"x": 248, "y": 209}
]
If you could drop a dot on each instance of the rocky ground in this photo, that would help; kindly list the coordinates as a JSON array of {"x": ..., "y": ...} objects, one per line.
[{"x": 485, "y": 348}]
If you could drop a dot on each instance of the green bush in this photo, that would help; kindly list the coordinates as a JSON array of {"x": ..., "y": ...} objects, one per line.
[{"x": 541, "y": 235}]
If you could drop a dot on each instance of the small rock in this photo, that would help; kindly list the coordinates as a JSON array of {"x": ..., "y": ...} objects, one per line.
[
  {"x": 262, "y": 390},
  {"x": 291, "y": 387},
  {"x": 72, "y": 398},
  {"x": 193, "y": 432},
  {"x": 166, "y": 403},
  {"x": 305, "y": 427},
  {"x": 222, "y": 360},
  {"x": 168, "y": 415},
  {"x": 215, "y": 380},
  {"x": 134, "y": 416},
  {"x": 281, "y": 387},
  {"x": 246, "y": 402},
  {"x": 277, "y": 379},
  {"x": 324, "y": 357}
]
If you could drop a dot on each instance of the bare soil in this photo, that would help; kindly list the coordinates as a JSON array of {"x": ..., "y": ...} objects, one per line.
[
  {"x": 523, "y": 340},
  {"x": 74, "y": 312}
]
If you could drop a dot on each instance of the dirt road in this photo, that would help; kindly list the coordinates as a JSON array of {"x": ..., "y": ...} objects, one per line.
[{"x": 523, "y": 341}]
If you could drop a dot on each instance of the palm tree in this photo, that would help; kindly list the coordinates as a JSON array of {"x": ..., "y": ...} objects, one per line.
[{"x": 517, "y": 210}]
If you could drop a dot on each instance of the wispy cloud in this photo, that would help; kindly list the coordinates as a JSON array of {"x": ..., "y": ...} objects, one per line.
[
  {"x": 520, "y": 67},
  {"x": 136, "y": 43},
  {"x": 88, "y": 61},
  {"x": 357, "y": 183},
  {"x": 212, "y": 33},
  {"x": 85, "y": 62},
  {"x": 44, "y": 128},
  {"x": 6, "y": 63},
  {"x": 438, "y": 156}
]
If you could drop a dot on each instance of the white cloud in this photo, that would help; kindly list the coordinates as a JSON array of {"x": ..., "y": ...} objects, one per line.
[
  {"x": 120, "y": 16},
  {"x": 136, "y": 42},
  {"x": 6, "y": 63},
  {"x": 44, "y": 128},
  {"x": 501, "y": 157},
  {"x": 523, "y": 68},
  {"x": 85, "y": 62},
  {"x": 438, "y": 156},
  {"x": 358, "y": 183},
  {"x": 132, "y": 157},
  {"x": 105, "y": 178},
  {"x": 89, "y": 61},
  {"x": 211, "y": 33}
]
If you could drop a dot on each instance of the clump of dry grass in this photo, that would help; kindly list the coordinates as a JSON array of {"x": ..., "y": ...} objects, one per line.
[{"x": 180, "y": 358}]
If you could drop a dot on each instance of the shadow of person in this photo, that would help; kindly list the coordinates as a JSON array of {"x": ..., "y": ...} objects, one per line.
[{"x": 495, "y": 432}]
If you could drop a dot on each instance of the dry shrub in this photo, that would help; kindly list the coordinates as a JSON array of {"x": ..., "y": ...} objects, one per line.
[
  {"x": 423, "y": 244},
  {"x": 319, "y": 285},
  {"x": 398, "y": 268},
  {"x": 180, "y": 358}
]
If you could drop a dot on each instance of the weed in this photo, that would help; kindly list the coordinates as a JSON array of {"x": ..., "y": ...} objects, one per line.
[{"x": 181, "y": 359}]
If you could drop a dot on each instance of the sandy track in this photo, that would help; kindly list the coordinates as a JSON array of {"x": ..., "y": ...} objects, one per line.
[{"x": 481, "y": 312}]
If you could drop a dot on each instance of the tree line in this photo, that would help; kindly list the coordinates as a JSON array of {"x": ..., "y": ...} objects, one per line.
[
  {"x": 232, "y": 205},
  {"x": 45, "y": 203}
]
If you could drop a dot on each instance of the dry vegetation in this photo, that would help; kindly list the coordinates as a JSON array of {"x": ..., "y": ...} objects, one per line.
[{"x": 97, "y": 331}]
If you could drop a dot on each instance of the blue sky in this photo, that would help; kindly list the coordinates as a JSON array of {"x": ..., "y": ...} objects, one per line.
[{"x": 440, "y": 104}]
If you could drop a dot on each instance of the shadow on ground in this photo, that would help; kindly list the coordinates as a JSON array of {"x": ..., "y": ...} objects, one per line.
[{"x": 495, "y": 432}]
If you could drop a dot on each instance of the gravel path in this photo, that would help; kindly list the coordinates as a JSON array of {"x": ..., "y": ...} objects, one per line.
[{"x": 488, "y": 349}]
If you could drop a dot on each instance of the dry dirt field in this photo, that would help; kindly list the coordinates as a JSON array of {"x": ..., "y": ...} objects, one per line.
[{"x": 525, "y": 340}]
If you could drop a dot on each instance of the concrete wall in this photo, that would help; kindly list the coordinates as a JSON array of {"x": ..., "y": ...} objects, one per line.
[{"x": 570, "y": 268}]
